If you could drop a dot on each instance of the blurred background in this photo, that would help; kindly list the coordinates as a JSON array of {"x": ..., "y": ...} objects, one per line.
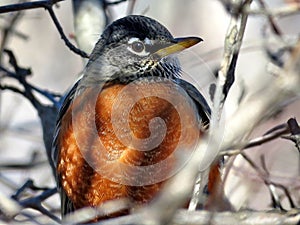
[{"x": 37, "y": 45}]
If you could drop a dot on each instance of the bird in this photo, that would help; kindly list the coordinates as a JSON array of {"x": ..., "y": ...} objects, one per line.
[{"x": 127, "y": 123}]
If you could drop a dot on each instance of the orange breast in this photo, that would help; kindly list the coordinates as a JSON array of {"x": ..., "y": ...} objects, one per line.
[{"x": 124, "y": 141}]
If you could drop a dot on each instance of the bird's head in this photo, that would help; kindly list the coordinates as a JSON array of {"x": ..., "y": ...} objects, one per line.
[{"x": 136, "y": 46}]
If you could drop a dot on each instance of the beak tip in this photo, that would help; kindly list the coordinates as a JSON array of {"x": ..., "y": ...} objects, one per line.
[
  {"x": 197, "y": 39},
  {"x": 187, "y": 42},
  {"x": 178, "y": 45}
]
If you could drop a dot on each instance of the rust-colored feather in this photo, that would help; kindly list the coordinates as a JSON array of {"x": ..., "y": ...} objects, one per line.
[{"x": 80, "y": 146}]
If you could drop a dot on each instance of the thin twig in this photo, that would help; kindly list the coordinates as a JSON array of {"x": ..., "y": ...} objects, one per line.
[
  {"x": 36, "y": 203},
  {"x": 63, "y": 36},
  {"x": 28, "y": 5},
  {"x": 273, "y": 24},
  {"x": 8, "y": 207},
  {"x": 20, "y": 74},
  {"x": 107, "y": 3},
  {"x": 278, "y": 12},
  {"x": 7, "y": 30},
  {"x": 269, "y": 136},
  {"x": 233, "y": 43},
  {"x": 12, "y": 88},
  {"x": 264, "y": 175},
  {"x": 15, "y": 32},
  {"x": 274, "y": 196},
  {"x": 46, "y": 4},
  {"x": 22, "y": 166},
  {"x": 47, "y": 113},
  {"x": 89, "y": 213}
]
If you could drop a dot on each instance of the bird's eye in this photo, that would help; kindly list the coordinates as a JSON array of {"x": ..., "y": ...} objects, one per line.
[{"x": 138, "y": 46}]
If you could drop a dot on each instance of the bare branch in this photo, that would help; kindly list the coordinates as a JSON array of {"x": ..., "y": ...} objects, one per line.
[
  {"x": 202, "y": 217},
  {"x": 264, "y": 175},
  {"x": 22, "y": 166},
  {"x": 277, "y": 12},
  {"x": 46, "y": 4},
  {"x": 164, "y": 209},
  {"x": 36, "y": 201},
  {"x": 63, "y": 36},
  {"x": 272, "y": 134},
  {"x": 233, "y": 43},
  {"x": 7, "y": 31},
  {"x": 273, "y": 24},
  {"x": 89, "y": 213},
  {"x": 282, "y": 88},
  {"x": 47, "y": 114},
  {"x": 20, "y": 75},
  {"x": 226, "y": 77},
  {"x": 115, "y": 2},
  {"x": 28, "y": 5},
  {"x": 8, "y": 207}
]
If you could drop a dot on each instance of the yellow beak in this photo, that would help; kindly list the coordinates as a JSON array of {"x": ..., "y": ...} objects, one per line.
[{"x": 179, "y": 45}]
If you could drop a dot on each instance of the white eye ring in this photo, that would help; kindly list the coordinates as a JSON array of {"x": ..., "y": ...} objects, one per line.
[{"x": 136, "y": 46}]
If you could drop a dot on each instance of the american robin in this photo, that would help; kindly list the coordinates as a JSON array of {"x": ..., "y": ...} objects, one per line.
[{"x": 126, "y": 125}]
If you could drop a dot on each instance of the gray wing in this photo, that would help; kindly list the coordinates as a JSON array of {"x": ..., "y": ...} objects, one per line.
[
  {"x": 202, "y": 105},
  {"x": 66, "y": 204}
]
